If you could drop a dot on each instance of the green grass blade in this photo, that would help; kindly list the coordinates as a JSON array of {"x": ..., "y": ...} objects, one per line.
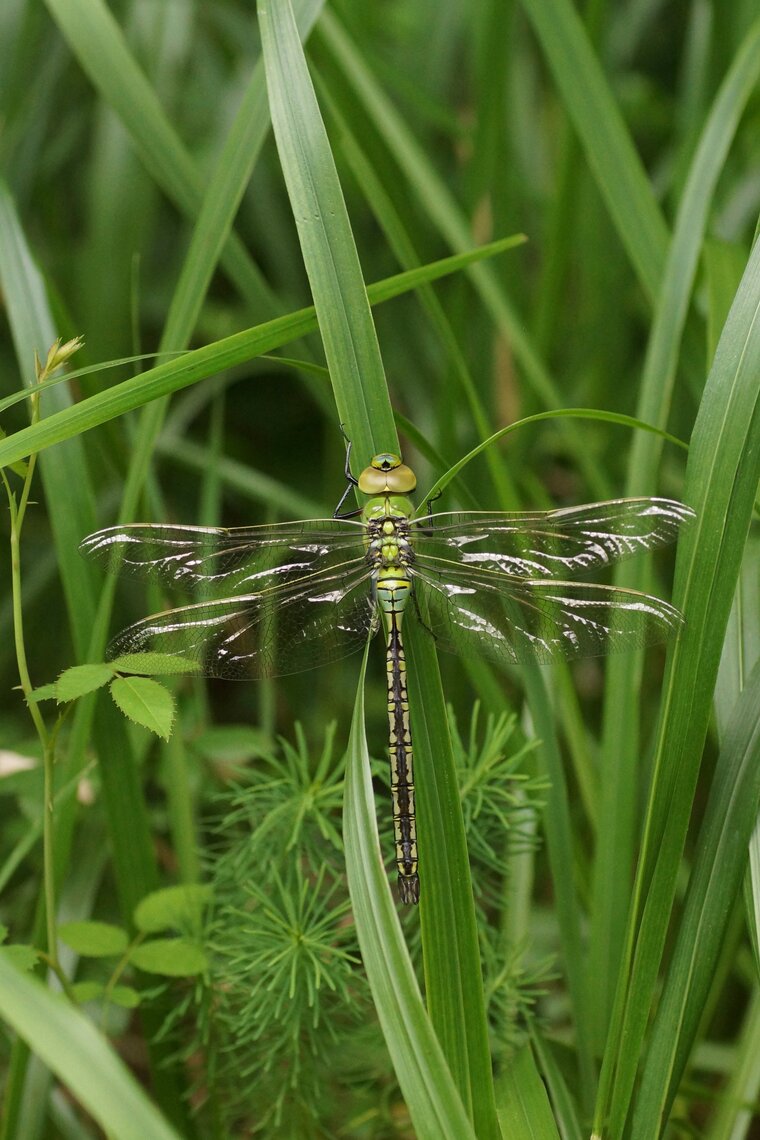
[
  {"x": 618, "y": 812},
  {"x": 523, "y": 1105},
  {"x": 721, "y": 484},
  {"x": 70, "y": 502},
  {"x": 83, "y": 1059},
  {"x": 422, "y": 1072},
  {"x": 453, "y": 983},
  {"x": 358, "y": 380},
  {"x": 729, "y": 821},
  {"x": 610, "y": 153},
  {"x": 327, "y": 242},
  {"x": 173, "y": 375},
  {"x": 32, "y": 327},
  {"x": 98, "y": 43},
  {"x": 565, "y": 1110}
]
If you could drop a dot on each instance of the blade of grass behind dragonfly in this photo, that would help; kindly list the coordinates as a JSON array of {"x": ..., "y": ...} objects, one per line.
[
  {"x": 402, "y": 245},
  {"x": 426, "y": 1082},
  {"x": 327, "y": 242},
  {"x": 358, "y": 379},
  {"x": 173, "y": 375},
  {"x": 619, "y": 775},
  {"x": 449, "y": 219},
  {"x": 721, "y": 484},
  {"x": 211, "y": 234}
]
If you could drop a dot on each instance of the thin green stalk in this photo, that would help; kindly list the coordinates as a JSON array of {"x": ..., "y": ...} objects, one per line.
[{"x": 17, "y": 512}]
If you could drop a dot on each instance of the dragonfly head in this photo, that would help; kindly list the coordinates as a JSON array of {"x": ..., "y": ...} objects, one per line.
[{"x": 386, "y": 472}]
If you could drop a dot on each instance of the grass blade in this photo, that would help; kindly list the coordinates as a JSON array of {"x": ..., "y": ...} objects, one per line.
[
  {"x": 721, "y": 483},
  {"x": 361, "y": 394},
  {"x": 610, "y": 153},
  {"x": 423, "y": 1074},
  {"x": 618, "y": 816},
  {"x": 173, "y": 375},
  {"x": 327, "y": 243},
  {"x": 729, "y": 821},
  {"x": 83, "y": 1059}
]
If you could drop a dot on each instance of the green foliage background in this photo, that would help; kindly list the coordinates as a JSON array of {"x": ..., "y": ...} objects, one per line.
[{"x": 607, "y": 965}]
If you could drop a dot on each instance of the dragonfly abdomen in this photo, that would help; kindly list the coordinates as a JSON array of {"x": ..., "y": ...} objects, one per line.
[{"x": 392, "y": 591}]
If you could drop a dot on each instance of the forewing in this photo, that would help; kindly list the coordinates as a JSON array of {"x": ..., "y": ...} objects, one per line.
[
  {"x": 285, "y": 630},
  {"x": 211, "y": 561},
  {"x": 509, "y": 620},
  {"x": 550, "y": 544}
]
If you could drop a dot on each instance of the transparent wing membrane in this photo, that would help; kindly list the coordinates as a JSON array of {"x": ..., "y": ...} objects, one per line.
[
  {"x": 551, "y": 543},
  {"x": 510, "y": 619},
  {"x": 280, "y": 599},
  {"x": 271, "y": 634},
  {"x": 240, "y": 560}
]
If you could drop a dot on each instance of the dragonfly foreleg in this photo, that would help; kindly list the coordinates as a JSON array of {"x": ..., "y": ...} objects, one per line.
[{"x": 351, "y": 482}]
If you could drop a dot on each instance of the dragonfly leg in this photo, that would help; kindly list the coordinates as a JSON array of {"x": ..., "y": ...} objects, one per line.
[
  {"x": 420, "y": 618},
  {"x": 430, "y": 502},
  {"x": 351, "y": 482}
]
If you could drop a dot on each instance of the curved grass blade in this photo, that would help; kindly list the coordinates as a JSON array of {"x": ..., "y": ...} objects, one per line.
[
  {"x": 560, "y": 413},
  {"x": 362, "y": 399},
  {"x": 729, "y": 821},
  {"x": 172, "y": 376},
  {"x": 73, "y": 1049},
  {"x": 524, "y": 1109},
  {"x": 721, "y": 484},
  {"x": 618, "y": 814},
  {"x": 617, "y": 168},
  {"x": 327, "y": 242},
  {"x": 426, "y": 1082}
]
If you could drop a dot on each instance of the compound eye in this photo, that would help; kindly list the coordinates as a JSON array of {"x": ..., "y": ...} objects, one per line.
[{"x": 386, "y": 461}]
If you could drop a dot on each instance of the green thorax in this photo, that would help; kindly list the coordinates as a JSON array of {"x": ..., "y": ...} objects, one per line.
[
  {"x": 388, "y": 481},
  {"x": 387, "y": 513}
]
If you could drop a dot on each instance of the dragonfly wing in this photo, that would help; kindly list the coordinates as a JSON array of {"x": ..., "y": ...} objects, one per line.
[
  {"x": 284, "y": 630},
  {"x": 511, "y": 620},
  {"x": 550, "y": 544},
  {"x": 206, "y": 559}
]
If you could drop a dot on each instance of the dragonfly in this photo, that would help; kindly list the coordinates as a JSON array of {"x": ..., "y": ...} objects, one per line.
[{"x": 291, "y": 596}]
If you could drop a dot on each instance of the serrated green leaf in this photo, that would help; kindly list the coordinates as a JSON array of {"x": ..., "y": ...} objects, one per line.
[
  {"x": 146, "y": 702},
  {"x": 80, "y": 680},
  {"x": 154, "y": 663},
  {"x": 94, "y": 939},
  {"x": 172, "y": 957},
  {"x": 25, "y": 957},
  {"x": 87, "y": 991},
  {"x": 43, "y": 693},
  {"x": 173, "y": 908}
]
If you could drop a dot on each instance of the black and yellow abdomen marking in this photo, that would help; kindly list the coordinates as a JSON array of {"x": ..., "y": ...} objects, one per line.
[{"x": 393, "y": 589}]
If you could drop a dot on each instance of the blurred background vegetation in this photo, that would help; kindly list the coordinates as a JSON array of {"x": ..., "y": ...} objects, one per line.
[{"x": 451, "y": 125}]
